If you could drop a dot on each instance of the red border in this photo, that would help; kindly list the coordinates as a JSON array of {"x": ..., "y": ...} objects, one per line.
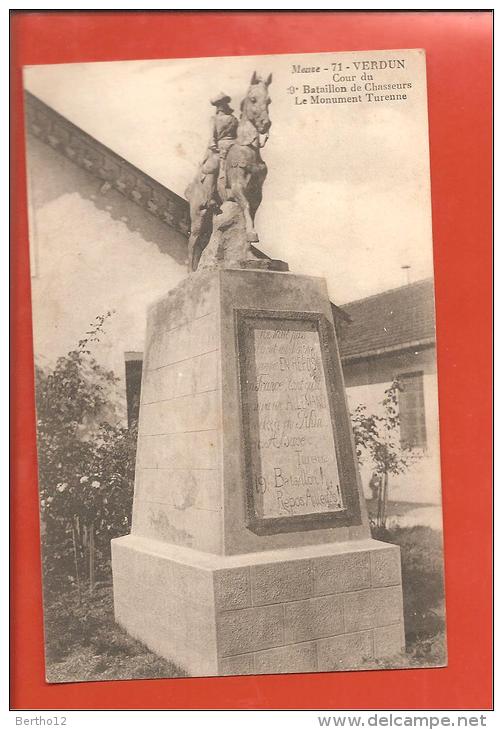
[{"x": 459, "y": 58}]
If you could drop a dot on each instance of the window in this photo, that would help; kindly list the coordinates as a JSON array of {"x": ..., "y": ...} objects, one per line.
[
  {"x": 411, "y": 409},
  {"x": 133, "y": 387}
]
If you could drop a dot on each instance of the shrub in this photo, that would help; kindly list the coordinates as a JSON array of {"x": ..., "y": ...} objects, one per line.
[
  {"x": 86, "y": 466},
  {"x": 377, "y": 436}
]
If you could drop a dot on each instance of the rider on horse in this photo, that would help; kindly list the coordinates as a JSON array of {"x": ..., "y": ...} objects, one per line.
[
  {"x": 223, "y": 136},
  {"x": 233, "y": 170}
]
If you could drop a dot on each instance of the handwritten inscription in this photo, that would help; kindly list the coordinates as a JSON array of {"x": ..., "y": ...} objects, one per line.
[{"x": 293, "y": 457}]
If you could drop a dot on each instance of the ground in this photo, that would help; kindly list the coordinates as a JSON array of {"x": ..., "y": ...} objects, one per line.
[
  {"x": 409, "y": 514},
  {"x": 85, "y": 644},
  {"x": 422, "y": 557}
]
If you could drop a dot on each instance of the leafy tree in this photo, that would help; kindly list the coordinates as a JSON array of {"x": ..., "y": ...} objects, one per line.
[
  {"x": 377, "y": 436},
  {"x": 86, "y": 466}
]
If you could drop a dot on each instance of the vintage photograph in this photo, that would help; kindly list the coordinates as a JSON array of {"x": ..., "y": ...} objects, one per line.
[{"x": 235, "y": 359}]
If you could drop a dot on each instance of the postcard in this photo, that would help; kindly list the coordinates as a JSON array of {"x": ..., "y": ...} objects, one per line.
[{"x": 235, "y": 355}]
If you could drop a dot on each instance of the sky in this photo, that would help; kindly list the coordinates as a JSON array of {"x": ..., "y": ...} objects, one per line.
[{"x": 347, "y": 195}]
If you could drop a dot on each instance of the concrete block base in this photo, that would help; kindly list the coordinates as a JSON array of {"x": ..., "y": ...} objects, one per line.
[{"x": 304, "y": 609}]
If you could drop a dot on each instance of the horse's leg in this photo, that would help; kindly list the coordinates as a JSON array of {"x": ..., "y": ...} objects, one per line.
[
  {"x": 255, "y": 202},
  {"x": 254, "y": 191},
  {"x": 196, "y": 224},
  {"x": 239, "y": 184},
  {"x": 202, "y": 236},
  {"x": 191, "y": 246}
]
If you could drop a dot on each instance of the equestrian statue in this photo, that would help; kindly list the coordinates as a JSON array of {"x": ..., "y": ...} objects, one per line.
[{"x": 233, "y": 169}]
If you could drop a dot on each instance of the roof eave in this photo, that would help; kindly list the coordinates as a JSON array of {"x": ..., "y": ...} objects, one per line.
[{"x": 428, "y": 342}]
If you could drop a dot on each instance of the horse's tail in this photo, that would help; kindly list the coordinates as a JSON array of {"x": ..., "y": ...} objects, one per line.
[{"x": 188, "y": 190}]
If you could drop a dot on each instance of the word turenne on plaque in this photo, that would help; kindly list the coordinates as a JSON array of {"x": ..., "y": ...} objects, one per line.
[{"x": 282, "y": 574}]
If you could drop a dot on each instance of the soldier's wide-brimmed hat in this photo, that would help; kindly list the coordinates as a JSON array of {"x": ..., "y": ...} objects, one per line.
[{"x": 220, "y": 98}]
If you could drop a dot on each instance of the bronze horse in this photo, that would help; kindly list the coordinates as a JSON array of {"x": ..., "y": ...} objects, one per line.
[{"x": 245, "y": 172}]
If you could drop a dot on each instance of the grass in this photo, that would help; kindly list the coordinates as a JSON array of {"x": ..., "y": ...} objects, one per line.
[
  {"x": 84, "y": 644},
  {"x": 421, "y": 551},
  {"x": 396, "y": 509}
]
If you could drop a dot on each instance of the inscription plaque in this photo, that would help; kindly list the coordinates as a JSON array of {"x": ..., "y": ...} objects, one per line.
[{"x": 294, "y": 475}]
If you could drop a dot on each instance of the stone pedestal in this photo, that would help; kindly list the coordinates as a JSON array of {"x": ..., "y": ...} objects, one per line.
[{"x": 250, "y": 549}]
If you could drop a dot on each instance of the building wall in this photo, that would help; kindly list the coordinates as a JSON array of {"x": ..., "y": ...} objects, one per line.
[
  {"x": 93, "y": 250},
  {"x": 366, "y": 382}
]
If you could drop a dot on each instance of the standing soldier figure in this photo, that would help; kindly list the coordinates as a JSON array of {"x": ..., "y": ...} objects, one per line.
[{"x": 223, "y": 136}]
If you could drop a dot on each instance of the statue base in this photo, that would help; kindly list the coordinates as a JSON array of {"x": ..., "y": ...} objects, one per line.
[
  {"x": 247, "y": 264},
  {"x": 229, "y": 247},
  {"x": 320, "y": 608},
  {"x": 264, "y": 265},
  {"x": 250, "y": 549}
]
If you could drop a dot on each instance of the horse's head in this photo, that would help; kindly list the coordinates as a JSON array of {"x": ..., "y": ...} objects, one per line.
[{"x": 255, "y": 105}]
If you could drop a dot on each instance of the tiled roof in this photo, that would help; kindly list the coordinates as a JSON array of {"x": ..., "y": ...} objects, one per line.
[{"x": 392, "y": 320}]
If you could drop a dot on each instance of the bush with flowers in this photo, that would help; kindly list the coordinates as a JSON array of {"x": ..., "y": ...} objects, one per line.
[{"x": 86, "y": 467}]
